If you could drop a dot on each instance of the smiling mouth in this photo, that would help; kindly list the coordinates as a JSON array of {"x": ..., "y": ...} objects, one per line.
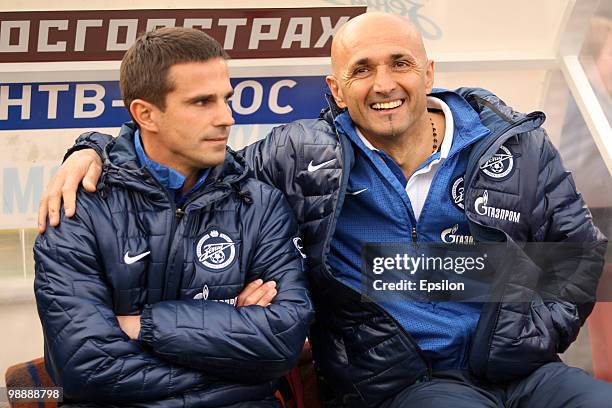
[{"x": 381, "y": 106}]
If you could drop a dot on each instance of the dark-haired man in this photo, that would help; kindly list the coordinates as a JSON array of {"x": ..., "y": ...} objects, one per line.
[
  {"x": 395, "y": 161},
  {"x": 179, "y": 283}
]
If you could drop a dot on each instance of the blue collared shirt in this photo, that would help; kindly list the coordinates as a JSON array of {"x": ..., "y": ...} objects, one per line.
[{"x": 169, "y": 178}]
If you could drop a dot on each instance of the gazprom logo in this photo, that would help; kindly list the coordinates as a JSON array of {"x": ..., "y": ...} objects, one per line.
[
  {"x": 481, "y": 208},
  {"x": 450, "y": 236}
]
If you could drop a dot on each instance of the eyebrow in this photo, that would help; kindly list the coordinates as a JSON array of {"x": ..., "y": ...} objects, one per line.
[
  {"x": 208, "y": 97},
  {"x": 394, "y": 57},
  {"x": 409, "y": 57},
  {"x": 362, "y": 61}
]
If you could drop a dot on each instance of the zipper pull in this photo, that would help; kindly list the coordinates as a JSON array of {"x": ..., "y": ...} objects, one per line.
[
  {"x": 414, "y": 234},
  {"x": 179, "y": 213}
]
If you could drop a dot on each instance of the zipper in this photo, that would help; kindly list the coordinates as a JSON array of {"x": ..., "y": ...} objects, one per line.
[
  {"x": 181, "y": 216},
  {"x": 175, "y": 221},
  {"x": 172, "y": 221},
  {"x": 414, "y": 234}
]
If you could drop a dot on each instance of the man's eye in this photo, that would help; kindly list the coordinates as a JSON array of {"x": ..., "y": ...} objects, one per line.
[
  {"x": 401, "y": 64},
  {"x": 361, "y": 71}
]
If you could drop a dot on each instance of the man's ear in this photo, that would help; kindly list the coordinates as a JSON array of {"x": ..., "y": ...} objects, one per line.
[
  {"x": 429, "y": 76},
  {"x": 145, "y": 114},
  {"x": 332, "y": 83}
]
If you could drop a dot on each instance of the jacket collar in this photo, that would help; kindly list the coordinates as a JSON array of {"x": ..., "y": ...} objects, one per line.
[
  {"x": 495, "y": 114},
  {"x": 121, "y": 166}
]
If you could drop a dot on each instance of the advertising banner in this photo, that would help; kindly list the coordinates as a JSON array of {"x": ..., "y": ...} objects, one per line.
[
  {"x": 103, "y": 35},
  {"x": 40, "y": 118}
]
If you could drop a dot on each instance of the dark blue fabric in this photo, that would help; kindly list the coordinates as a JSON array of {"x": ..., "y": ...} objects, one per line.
[
  {"x": 554, "y": 385},
  {"x": 197, "y": 348}
]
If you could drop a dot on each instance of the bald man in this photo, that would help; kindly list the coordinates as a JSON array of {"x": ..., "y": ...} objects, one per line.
[{"x": 392, "y": 160}]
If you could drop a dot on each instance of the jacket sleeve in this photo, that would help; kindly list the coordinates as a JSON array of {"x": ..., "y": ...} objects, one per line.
[
  {"x": 247, "y": 344},
  {"x": 551, "y": 288},
  {"x": 90, "y": 140},
  {"x": 86, "y": 352},
  {"x": 262, "y": 157},
  {"x": 572, "y": 246}
]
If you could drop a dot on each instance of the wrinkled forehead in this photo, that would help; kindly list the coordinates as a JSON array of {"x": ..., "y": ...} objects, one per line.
[
  {"x": 377, "y": 49},
  {"x": 376, "y": 42}
]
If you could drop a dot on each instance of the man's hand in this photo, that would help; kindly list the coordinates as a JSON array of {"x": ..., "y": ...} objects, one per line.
[
  {"x": 257, "y": 293},
  {"x": 83, "y": 165},
  {"x": 130, "y": 325}
]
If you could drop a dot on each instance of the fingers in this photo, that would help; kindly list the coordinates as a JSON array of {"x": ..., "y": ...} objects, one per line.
[
  {"x": 92, "y": 175},
  {"x": 42, "y": 213},
  {"x": 130, "y": 325},
  {"x": 54, "y": 199},
  {"x": 50, "y": 202},
  {"x": 247, "y": 291},
  {"x": 268, "y": 295},
  {"x": 83, "y": 164},
  {"x": 257, "y": 293},
  {"x": 68, "y": 193}
]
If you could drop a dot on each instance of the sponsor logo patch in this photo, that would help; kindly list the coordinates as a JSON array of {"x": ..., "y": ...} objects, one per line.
[
  {"x": 215, "y": 250},
  {"x": 450, "y": 236},
  {"x": 204, "y": 296},
  {"x": 501, "y": 166},
  {"x": 481, "y": 208}
]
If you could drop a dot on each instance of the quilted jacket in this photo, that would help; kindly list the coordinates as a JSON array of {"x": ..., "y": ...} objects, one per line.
[{"x": 130, "y": 251}]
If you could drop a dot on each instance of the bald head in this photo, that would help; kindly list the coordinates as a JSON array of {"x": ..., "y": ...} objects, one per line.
[
  {"x": 382, "y": 76},
  {"x": 374, "y": 28}
]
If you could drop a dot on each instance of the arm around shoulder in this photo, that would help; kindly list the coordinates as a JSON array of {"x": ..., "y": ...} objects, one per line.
[{"x": 82, "y": 165}]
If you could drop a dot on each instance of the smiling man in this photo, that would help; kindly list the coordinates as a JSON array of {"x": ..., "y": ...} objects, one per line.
[
  {"x": 154, "y": 294},
  {"x": 393, "y": 160}
]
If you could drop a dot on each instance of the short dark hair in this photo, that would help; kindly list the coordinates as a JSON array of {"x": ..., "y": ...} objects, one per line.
[{"x": 145, "y": 66}]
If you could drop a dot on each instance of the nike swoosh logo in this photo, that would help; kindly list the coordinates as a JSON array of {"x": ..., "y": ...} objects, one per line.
[
  {"x": 356, "y": 192},
  {"x": 312, "y": 167},
  {"x": 131, "y": 259}
]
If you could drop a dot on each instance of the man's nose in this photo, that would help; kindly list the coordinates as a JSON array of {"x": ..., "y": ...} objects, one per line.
[
  {"x": 224, "y": 115},
  {"x": 384, "y": 81}
]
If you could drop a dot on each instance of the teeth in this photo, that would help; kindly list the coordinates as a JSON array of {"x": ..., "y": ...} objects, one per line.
[{"x": 387, "y": 105}]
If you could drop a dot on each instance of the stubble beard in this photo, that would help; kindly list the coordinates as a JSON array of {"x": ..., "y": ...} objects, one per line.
[{"x": 391, "y": 128}]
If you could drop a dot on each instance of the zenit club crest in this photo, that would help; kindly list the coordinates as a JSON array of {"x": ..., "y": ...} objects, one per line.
[
  {"x": 457, "y": 192},
  {"x": 500, "y": 166},
  {"x": 215, "y": 250}
]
